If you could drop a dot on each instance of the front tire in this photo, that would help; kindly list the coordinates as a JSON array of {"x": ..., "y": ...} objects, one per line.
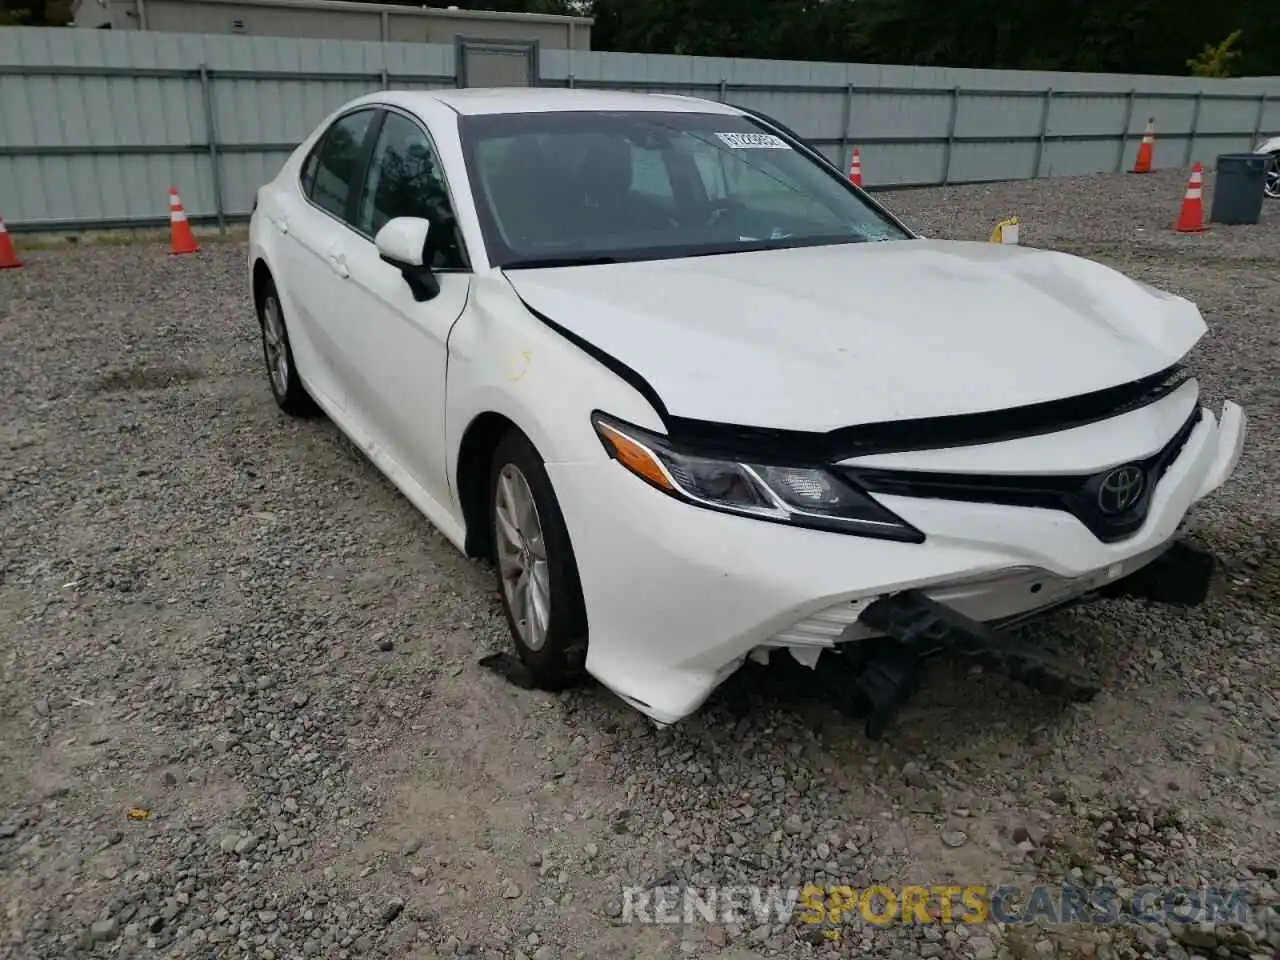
[
  {"x": 277, "y": 352},
  {"x": 536, "y": 570}
]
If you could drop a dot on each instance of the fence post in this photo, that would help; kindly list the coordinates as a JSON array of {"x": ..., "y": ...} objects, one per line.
[
  {"x": 1044, "y": 130},
  {"x": 1257, "y": 124},
  {"x": 1195, "y": 125},
  {"x": 211, "y": 131},
  {"x": 846, "y": 114},
  {"x": 386, "y": 80},
  {"x": 384, "y": 26},
  {"x": 722, "y": 90},
  {"x": 951, "y": 135},
  {"x": 1124, "y": 131}
]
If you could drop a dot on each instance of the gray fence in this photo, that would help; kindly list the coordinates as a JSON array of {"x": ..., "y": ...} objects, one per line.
[{"x": 95, "y": 126}]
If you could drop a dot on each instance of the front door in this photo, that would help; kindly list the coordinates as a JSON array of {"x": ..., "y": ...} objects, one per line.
[{"x": 401, "y": 344}]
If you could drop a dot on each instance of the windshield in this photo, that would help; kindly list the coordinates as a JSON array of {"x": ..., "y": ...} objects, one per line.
[{"x": 564, "y": 187}]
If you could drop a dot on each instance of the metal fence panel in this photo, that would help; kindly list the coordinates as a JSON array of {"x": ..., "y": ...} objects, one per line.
[
  {"x": 95, "y": 126},
  {"x": 1269, "y": 121}
]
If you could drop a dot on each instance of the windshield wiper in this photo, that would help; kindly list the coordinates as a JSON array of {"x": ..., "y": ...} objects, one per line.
[
  {"x": 535, "y": 263},
  {"x": 780, "y": 243}
]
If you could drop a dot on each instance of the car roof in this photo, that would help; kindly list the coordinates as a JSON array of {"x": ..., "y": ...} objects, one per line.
[{"x": 482, "y": 100}]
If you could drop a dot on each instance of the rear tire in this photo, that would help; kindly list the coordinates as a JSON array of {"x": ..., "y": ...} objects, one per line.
[
  {"x": 537, "y": 573},
  {"x": 1272, "y": 184},
  {"x": 277, "y": 352}
]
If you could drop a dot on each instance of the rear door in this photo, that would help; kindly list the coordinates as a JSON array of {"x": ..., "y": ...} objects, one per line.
[{"x": 315, "y": 222}]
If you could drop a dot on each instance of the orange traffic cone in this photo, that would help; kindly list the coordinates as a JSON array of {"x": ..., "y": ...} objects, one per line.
[
  {"x": 855, "y": 168},
  {"x": 181, "y": 239},
  {"x": 8, "y": 256},
  {"x": 1191, "y": 216},
  {"x": 1142, "y": 164}
]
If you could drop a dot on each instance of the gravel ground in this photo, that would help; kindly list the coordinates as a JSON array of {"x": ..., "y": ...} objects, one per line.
[{"x": 241, "y": 713}]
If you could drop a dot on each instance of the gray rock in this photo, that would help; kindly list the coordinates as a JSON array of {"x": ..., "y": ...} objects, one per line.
[
  {"x": 913, "y": 775},
  {"x": 104, "y": 930},
  {"x": 392, "y": 910}
]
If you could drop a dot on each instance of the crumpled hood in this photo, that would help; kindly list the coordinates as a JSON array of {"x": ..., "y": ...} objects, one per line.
[{"x": 818, "y": 338}]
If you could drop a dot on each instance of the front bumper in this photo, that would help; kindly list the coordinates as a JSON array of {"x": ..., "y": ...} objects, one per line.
[{"x": 677, "y": 597}]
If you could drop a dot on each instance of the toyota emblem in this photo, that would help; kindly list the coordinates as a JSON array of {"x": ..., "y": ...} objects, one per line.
[{"x": 1120, "y": 490}]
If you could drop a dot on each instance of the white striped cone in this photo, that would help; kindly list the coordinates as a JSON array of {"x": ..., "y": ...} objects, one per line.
[
  {"x": 181, "y": 239},
  {"x": 1191, "y": 216}
]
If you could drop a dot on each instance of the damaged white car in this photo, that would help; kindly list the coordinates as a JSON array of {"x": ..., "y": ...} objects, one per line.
[{"x": 701, "y": 399}]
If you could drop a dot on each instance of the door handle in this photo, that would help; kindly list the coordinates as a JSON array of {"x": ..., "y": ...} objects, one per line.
[
  {"x": 282, "y": 224},
  {"x": 339, "y": 265}
]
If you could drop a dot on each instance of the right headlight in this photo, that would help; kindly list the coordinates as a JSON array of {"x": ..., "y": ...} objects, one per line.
[{"x": 796, "y": 494}]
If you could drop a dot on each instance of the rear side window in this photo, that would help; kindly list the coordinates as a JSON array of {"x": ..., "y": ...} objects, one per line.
[{"x": 330, "y": 174}]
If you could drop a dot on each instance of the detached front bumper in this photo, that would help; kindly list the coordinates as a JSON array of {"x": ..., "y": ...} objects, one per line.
[{"x": 677, "y": 597}]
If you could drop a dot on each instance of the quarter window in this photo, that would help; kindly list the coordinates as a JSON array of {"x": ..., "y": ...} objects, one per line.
[
  {"x": 405, "y": 180},
  {"x": 332, "y": 169}
]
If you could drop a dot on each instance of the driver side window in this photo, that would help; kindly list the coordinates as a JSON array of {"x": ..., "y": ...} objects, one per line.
[{"x": 405, "y": 180}]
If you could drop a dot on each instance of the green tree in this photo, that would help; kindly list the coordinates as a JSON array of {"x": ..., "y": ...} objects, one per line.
[
  {"x": 1216, "y": 61},
  {"x": 1118, "y": 36}
]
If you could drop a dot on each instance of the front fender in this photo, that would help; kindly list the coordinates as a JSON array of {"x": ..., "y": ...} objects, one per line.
[
  {"x": 1268, "y": 146},
  {"x": 504, "y": 360}
]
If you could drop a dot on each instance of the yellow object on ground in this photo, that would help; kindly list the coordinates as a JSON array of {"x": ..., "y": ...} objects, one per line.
[{"x": 1006, "y": 231}]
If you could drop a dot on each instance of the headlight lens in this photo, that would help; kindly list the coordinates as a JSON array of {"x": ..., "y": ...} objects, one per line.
[{"x": 799, "y": 495}]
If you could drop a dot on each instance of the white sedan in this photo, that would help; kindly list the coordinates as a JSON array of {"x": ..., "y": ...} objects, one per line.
[{"x": 703, "y": 401}]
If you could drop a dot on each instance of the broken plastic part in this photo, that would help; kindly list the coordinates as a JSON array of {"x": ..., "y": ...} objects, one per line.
[
  {"x": 913, "y": 627},
  {"x": 807, "y": 656}
]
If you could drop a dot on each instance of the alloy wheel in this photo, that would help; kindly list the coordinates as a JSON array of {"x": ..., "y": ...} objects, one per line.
[
  {"x": 273, "y": 338},
  {"x": 522, "y": 557},
  {"x": 1272, "y": 186}
]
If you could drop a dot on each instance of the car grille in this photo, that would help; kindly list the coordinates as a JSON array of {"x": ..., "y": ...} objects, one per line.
[{"x": 1088, "y": 498}]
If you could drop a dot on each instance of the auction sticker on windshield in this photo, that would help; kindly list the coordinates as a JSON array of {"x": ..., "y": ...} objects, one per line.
[{"x": 747, "y": 141}]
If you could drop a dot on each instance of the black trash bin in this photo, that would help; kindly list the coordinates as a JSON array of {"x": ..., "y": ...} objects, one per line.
[{"x": 1237, "y": 191}]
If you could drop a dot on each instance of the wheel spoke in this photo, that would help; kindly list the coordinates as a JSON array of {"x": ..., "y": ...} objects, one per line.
[
  {"x": 526, "y": 512},
  {"x": 510, "y": 563},
  {"x": 506, "y": 489},
  {"x": 534, "y": 624},
  {"x": 506, "y": 527},
  {"x": 539, "y": 592},
  {"x": 520, "y": 597},
  {"x": 537, "y": 549}
]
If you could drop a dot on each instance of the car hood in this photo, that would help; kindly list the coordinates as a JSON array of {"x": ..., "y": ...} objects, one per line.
[{"x": 818, "y": 338}]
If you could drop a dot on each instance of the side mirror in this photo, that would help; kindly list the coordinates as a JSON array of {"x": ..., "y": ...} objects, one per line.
[{"x": 403, "y": 243}]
